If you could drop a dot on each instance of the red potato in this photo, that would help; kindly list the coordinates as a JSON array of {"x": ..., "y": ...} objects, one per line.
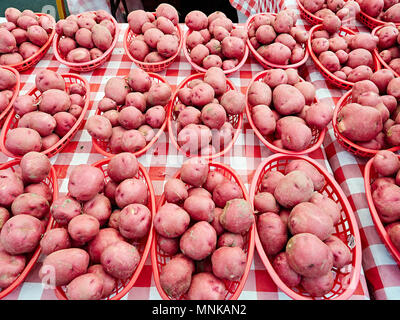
[
  {"x": 308, "y": 255},
  {"x": 319, "y": 115},
  {"x": 175, "y": 191},
  {"x": 176, "y": 276},
  {"x": 139, "y": 49},
  {"x": 228, "y": 263},
  {"x": 42, "y": 122},
  {"x": 229, "y": 239},
  {"x": 134, "y": 221},
  {"x": 24, "y": 104},
  {"x": 237, "y": 216},
  {"x": 155, "y": 116},
  {"x": 265, "y": 202},
  {"x": 206, "y": 286},
  {"x": 216, "y": 78},
  {"x": 273, "y": 232},
  {"x": 198, "y": 241},
  {"x": 41, "y": 189},
  {"x": 102, "y": 240},
  {"x": 54, "y": 240},
  {"x": 47, "y": 79},
  {"x": 116, "y": 89},
  {"x": 318, "y": 286},
  {"x": 327, "y": 205},
  {"x": 168, "y": 245},
  {"x": 21, "y": 234},
  {"x": 87, "y": 286},
  {"x": 189, "y": 115},
  {"x": 194, "y": 172},
  {"x": 171, "y": 221},
  {"x": 109, "y": 282},
  {"x": 225, "y": 191},
  {"x": 202, "y": 94},
  {"x": 213, "y": 115},
  {"x": 85, "y": 182},
  {"x": 307, "y": 217},
  {"x": 386, "y": 163},
  {"x": 281, "y": 266},
  {"x": 62, "y": 266},
  {"x": 386, "y": 203},
  {"x": 30, "y": 204},
  {"x": 35, "y": 167},
  {"x": 168, "y": 45},
  {"x": 8, "y": 43},
  {"x": 288, "y": 99},
  {"x": 393, "y": 232},
  {"x": 65, "y": 122},
  {"x": 64, "y": 208},
  {"x": 293, "y": 188},
  {"x": 159, "y": 94},
  {"x": 54, "y": 100},
  {"x": 78, "y": 55},
  {"x": 132, "y": 141},
  {"x": 10, "y": 268},
  {"x": 20, "y": 141},
  {"x": 270, "y": 181},
  {"x": 131, "y": 191},
  {"x": 66, "y": 45},
  {"x": 213, "y": 179},
  {"x": 196, "y": 20},
  {"x": 4, "y": 216},
  {"x": 302, "y": 165},
  {"x": 122, "y": 166},
  {"x": 200, "y": 208},
  {"x": 83, "y": 228},
  {"x": 233, "y": 101},
  {"x": 120, "y": 259},
  {"x": 341, "y": 253}
]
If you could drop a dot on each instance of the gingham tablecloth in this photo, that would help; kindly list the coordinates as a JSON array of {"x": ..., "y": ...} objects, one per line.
[{"x": 162, "y": 161}]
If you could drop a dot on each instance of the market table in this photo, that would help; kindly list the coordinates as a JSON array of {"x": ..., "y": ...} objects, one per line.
[{"x": 162, "y": 160}]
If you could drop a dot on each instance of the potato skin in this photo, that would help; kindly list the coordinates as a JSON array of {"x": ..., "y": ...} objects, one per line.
[
  {"x": 309, "y": 262},
  {"x": 11, "y": 186},
  {"x": 10, "y": 268},
  {"x": 85, "y": 182},
  {"x": 120, "y": 259},
  {"x": 237, "y": 216},
  {"x": 88, "y": 286},
  {"x": 290, "y": 277},
  {"x": 64, "y": 208},
  {"x": 199, "y": 241},
  {"x": 55, "y": 239},
  {"x": 134, "y": 221},
  {"x": 171, "y": 221},
  {"x": 31, "y": 204},
  {"x": 206, "y": 286},
  {"x": 62, "y": 266}
]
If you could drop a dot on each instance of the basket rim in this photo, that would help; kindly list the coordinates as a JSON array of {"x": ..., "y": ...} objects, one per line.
[
  {"x": 17, "y": 88},
  {"x": 319, "y": 64},
  {"x": 60, "y": 292},
  {"x": 265, "y": 62},
  {"x": 376, "y": 51},
  {"x": 43, "y": 49},
  {"x": 29, "y": 266},
  {"x": 308, "y": 12},
  {"x": 68, "y": 136},
  {"x": 346, "y": 208},
  {"x": 251, "y": 232},
  {"x": 268, "y": 144},
  {"x": 375, "y": 21},
  {"x": 142, "y": 151},
  {"x": 171, "y": 131},
  {"x": 152, "y": 64},
  {"x": 91, "y": 62},
  {"x": 380, "y": 228},
  {"x": 368, "y": 152},
  {"x": 201, "y": 69}
]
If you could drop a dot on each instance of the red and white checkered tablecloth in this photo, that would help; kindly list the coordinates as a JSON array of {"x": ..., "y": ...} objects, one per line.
[{"x": 162, "y": 160}]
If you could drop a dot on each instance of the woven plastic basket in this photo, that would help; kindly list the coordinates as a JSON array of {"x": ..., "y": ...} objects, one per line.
[
  {"x": 347, "y": 278},
  {"x": 265, "y": 63},
  {"x": 235, "y": 120},
  {"x": 32, "y": 258},
  {"x": 369, "y": 176},
  {"x": 160, "y": 258},
  {"x": 186, "y": 52},
  {"x": 347, "y": 143},
  {"x": 143, "y": 246},
  {"x": 4, "y": 114},
  {"x": 13, "y": 119},
  {"x": 318, "y": 136},
  {"x": 151, "y": 66},
  {"x": 334, "y": 80},
  {"x": 34, "y": 59},
  {"x": 90, "y": 65},
  {"x": 307, "y": 15},
  {"x": 103, "y": 146}
]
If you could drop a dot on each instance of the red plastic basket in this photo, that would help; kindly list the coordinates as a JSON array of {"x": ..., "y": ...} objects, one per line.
[
  {"x": 103, "y": 146},
  {"x": 265, "y": 63},
  {"x": 235, "y": 120},
  {"x": 346, "y": 143},
  {"x": 318, "y": 136},
  {"x": 371, "y": 22},
  {"x": 160, "y": 258},
  {"x": 307, "y": 15},
  {"x": 347, "y": 278},
  {"x": 378, "y": 56},
  {"x": 143, "y": 246},
  {"x": 343, "y": 84},
  {"x": 151, "y": 66},
  {"x": 13, "y": 119},
  {"x": 370, "y": 175},
  {"x": 51, "y": 182},
  {"x": 92, "y": 64},
  {"x": 34, "y": 59},
  {"x": 7, "y": 110},
  {"x": 201, "y": 69}
]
